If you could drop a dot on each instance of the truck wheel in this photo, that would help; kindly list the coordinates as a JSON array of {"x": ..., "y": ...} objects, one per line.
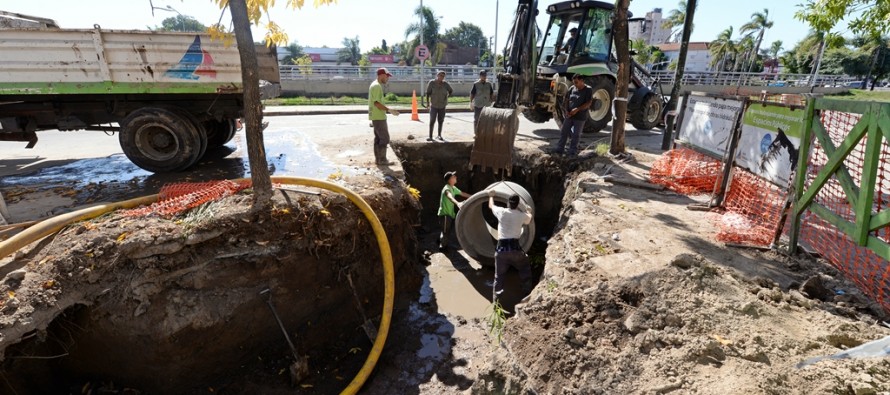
[
  {"x": 536, "y": 116},
  {"x": 219, "y": 132},
  {"x": 160, "y": 140},
  {"x": 601, "y": 110},
  {"x": 645, "y": 110},
  {"x": 199, "y": 127}
]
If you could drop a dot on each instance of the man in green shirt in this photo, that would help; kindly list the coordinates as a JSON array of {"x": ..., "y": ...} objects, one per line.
[
  {"x": 447, "y": 203},
  {"x": 377, "y": 114},
  {"x": 438, "y": 91}
]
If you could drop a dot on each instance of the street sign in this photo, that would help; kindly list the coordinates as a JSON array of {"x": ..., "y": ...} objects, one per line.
[{"x": 422, "y": 52}]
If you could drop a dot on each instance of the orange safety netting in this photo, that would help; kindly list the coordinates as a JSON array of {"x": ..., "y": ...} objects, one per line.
[
  {"x": 686, "y": 171},
  {"x": 180, "y": 197},
  {"x": 862, "y": 266},
  {"x": 753, "y": 210}
]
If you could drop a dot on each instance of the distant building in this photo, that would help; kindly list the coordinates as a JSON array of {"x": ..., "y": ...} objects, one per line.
[
  {"x": 698, "y": 57},
  {"x": 455, "y": 54},
  {"x": 649, "y": 28}
]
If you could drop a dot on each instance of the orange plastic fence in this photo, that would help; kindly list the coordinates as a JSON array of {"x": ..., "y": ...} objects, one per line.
[
  {"x": 867, "y": 270},
  {"x": 753, "y": 210},
  {"x": 180, "y": 197},
  {"x": 686, "y": 171}
]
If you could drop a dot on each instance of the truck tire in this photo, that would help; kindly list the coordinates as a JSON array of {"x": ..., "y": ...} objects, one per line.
[
  {"x": 219, "y": 132},
  {"x": 536, "y": 116},
  {"x": 644, "y": 110},
  {"x": 199, "y": 127},
  {"x": 601, "y": 110},
  {"x": 160, "y": 140}
]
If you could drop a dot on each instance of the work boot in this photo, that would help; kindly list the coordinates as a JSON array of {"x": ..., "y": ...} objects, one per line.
[{"x": 380, "y": 154}]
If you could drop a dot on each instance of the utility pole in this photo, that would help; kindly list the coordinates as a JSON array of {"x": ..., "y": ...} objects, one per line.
[
  {"x": 497, "y": 6},
  {"x": 678, "y": 76},
  {"x": 421, "y": 61}
]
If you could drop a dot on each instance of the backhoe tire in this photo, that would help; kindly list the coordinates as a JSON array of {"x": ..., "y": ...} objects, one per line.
[
  {"x": 645, "y": 111},
  {"x": 160, "y": 140},
  {"x": 536, "y": 116},
  {"x": 219, "y": 132},
  {"x": 601, "y": 109}
]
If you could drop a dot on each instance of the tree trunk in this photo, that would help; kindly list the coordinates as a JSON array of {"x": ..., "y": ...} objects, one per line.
[
  {"x": 253, "y": 109},
  {"x": 871, "y": 68},
  {"x": 756, "y": 50},
  {"x": 619, "y": 27},
  {"x": 681, "y": 66}
]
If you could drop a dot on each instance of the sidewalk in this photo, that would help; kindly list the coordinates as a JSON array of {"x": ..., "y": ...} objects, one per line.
[{"x": 272, "y": 111}]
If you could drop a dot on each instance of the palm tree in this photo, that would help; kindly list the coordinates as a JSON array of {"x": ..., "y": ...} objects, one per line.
[
  {"x": 675, "y": 20},
  {"x": 759, "y": 23},
  {"x": 720, "y": 48},
  {"x": 744, "y": 49},
  {"x": 644, "y": 51},
  {"x": 350, "y": 52},
  {"x": 430, "y": 28}
]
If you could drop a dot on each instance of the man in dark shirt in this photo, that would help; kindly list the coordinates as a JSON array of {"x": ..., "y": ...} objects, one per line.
[{"x": 577, "y": 102}]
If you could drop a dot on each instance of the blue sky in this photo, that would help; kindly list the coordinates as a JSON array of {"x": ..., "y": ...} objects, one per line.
[{"x": 374, "y": 20}]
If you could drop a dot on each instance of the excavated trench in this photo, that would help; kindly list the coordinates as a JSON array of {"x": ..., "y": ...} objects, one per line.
[
  {"x": 175, "y": 305},
  {"x": 543, "y": 178}
]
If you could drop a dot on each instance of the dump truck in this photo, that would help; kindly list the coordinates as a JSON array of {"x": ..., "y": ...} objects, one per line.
[
  {"x": 170, "y": 96},
  {"x": 538, "y": 72}
]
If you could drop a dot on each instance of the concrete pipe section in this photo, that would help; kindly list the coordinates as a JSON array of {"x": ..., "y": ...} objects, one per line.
[{"x": 477, "y": 228}]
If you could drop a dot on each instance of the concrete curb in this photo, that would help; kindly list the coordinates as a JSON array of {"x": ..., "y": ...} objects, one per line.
[{"x": 335, "y": 111}]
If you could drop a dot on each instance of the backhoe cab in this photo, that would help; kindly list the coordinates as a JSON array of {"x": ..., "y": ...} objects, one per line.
[{"x": 578, "y": 40}]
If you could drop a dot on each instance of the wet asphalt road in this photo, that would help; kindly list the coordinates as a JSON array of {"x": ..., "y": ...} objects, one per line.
[{"x": 89, "y": 166}]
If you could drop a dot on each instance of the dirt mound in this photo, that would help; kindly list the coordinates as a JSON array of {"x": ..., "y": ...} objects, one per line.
[
  {"x": 171, "y": 305},
  {"x": 637, "y": 298}
]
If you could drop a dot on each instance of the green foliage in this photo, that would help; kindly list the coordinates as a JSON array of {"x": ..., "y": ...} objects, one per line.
[
  {"x": 466, "y": 35},
  {"x": 181, "y": 23},
  {"x": 497, "y": 320},
  {"x": 430, "y": 32},
  {"x": 294, "y": 52},
  {"x": 824, "y": 15},
  {"x": 838, "y": 61},
  {"x": 721, "y": 49},
  {"x": 392, "y": 97},
  {"x": 864, "y": 95},
  {"x": 364, "y": 61},
  {"x": 350, "y": 53},
  {"x": 675, "y": 20}
]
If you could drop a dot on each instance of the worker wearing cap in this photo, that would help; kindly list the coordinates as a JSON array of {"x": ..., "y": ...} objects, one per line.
[
  {"x": 377, "y": 114},
  {"x": 509, "y": 252},
  {"x": 481, "y": 95},
  {"x": 437, "y": 90},
  {"x": 447, "y": 204}
]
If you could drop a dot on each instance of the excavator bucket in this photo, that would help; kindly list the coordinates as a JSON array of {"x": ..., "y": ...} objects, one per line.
[{"x": 495, "y": 134}]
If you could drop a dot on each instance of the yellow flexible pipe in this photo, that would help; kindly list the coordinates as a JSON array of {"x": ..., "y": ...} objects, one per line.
[{"x": 54, "y": 224}]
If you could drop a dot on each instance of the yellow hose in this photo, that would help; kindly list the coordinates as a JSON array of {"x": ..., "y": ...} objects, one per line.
[{"x": 52, "y": 225}]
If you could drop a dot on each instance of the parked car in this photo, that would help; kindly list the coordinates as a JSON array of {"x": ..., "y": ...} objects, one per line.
[{"x": 855, "y": 84}]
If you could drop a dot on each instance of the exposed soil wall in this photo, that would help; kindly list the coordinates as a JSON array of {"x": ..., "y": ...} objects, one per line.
[
  {"x": 637, "y": 298},
  {"x": 426, "y": 163},
  {"x": 173, "y": 305}
]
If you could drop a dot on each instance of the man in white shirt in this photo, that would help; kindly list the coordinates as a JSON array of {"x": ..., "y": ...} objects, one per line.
[{"x": 509, "y": 252}]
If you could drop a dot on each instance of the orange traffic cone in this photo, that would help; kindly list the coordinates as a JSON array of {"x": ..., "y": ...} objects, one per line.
[{"x": 414, "y": 115}]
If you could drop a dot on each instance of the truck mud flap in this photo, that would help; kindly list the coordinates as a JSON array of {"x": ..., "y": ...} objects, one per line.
[{"x": 495, "y": 134}]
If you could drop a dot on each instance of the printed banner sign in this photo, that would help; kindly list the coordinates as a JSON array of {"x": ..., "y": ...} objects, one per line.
[
  {"x": 708, "y": 122},
  {"x": 770, "y": 141}
]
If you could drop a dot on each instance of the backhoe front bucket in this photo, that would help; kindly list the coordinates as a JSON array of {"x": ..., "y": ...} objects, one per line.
[{"x": 495, "y": 134}]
